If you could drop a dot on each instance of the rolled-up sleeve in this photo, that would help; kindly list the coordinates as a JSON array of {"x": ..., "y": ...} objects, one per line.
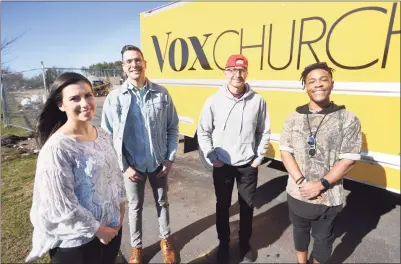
[
  {"x": 57, "y": 210},
  {"x": 352, "y": 140}
]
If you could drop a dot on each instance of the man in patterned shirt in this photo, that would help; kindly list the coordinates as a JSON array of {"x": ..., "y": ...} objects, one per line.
[{"x": 320, "y": 144}]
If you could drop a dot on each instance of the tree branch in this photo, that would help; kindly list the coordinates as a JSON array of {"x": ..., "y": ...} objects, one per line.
[{"x": 7, "y": 43}]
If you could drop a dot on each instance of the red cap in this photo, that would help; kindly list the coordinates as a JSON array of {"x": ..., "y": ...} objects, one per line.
[{"x": 237, "y": 60}]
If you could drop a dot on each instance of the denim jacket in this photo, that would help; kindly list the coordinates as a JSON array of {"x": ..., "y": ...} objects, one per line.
[{"x": 160, "y": 112}]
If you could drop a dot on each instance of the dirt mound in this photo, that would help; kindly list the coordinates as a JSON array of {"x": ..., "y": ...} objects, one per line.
[
  {"x": 11, "y": 140},
  {"x": 16, "y": 146}
]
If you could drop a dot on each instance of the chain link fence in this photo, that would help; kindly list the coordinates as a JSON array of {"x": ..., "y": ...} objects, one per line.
[
  {"x": 22, "y": 98},
  {"x": 23, "y": 94}
]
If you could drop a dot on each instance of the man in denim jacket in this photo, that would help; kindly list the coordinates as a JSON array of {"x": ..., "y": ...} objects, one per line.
[{"x": 143, "y": 121}]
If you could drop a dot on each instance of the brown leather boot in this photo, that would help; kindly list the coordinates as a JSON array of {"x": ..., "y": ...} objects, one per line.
[
  {"x": 136, "y": 256},
  {"x": 168, "y": 251}
]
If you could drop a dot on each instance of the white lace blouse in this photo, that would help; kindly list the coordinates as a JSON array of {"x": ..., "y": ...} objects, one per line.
[{"x": 78, "y": 186}]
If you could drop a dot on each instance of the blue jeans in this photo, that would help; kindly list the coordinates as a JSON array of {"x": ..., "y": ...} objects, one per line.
[{"x": 136, "y": 194}]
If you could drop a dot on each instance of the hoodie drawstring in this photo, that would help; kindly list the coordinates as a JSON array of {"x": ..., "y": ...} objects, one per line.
[
  {"x": 229, "y": 113},
  {"x": 247, "y": 89},
  {"x": 242, "y": 116}
]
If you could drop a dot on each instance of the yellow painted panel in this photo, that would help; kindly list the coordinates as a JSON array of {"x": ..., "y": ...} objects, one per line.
[
  {"x": 352, "y": 34},
  {"x": 189, "y": 102},
  {"x": 376, "y": 175}
]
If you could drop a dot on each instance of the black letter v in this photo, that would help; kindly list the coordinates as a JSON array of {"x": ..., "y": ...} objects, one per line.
[{"x": 160, "y": 58}]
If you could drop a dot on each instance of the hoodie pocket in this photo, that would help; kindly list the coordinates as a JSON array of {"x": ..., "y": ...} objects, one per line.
[
  {"x": 245, "y": 152},
  {"x": 247, "y": 136}
]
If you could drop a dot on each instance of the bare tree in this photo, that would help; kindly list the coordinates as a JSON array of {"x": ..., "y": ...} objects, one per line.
[{"x": 7, "y": 43}]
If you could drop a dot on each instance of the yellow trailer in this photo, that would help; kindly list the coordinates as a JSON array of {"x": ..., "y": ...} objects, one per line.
[{"x": 187, "y": 43}]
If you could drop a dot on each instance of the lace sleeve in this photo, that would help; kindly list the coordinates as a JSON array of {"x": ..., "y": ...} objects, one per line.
[{"x": 56, "y": 209}]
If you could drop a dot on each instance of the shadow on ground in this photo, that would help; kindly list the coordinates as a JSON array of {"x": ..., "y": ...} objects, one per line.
[
  {"x": 273, "y": 222},
  {"x": 365, "y": 205}
]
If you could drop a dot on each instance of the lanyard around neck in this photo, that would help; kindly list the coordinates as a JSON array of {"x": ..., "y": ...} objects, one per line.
[{"x": 310, "y": 130}]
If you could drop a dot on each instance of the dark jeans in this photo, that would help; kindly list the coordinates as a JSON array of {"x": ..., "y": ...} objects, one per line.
[
  {"x": 92, "y": 252},
  {"x": 223, "y": 179},
  {"x": 322, "y": 233}
]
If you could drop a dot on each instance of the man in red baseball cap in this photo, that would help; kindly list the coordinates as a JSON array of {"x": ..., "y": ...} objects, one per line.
[
  {"x": 237, "y": 60},
  {"x": 234, "y": 133},
  {"x": 236, "y": 72}
]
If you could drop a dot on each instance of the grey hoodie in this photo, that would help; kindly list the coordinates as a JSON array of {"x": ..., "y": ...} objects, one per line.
[{"x": 234, "y": 131}]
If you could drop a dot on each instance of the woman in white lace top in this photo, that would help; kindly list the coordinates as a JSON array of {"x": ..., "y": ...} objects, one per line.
[{"x": 79, "y": 197}]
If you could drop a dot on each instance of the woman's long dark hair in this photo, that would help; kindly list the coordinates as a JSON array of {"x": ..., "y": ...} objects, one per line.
[{"x": 52, "y": 118}]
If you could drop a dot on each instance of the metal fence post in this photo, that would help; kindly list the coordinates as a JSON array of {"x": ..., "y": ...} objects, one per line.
[
  {"x": 4, "y": 106},
  {"x": 44, "y": 82}
]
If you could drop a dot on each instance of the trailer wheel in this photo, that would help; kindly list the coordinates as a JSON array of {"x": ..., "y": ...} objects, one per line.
[{"x": 208, "y": 165}]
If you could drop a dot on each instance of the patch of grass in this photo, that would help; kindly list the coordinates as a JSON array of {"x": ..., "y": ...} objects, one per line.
[
  {"x": 13, "y": 131},
  {"x": 17, "y": 185},
  {"x": 17, "y": 180},
  {"x": 8, "y": 154},
  {"x": 9, "y": 151}
]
